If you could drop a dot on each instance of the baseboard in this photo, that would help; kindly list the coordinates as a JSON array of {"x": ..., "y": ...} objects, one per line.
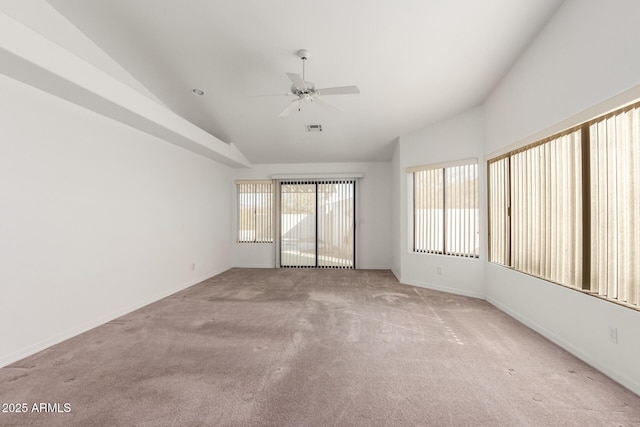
[
  {"x": 440, "y": 288},
  {"x": 632, "y": 385},
  {"x": 395, "y": 273},
  {"x": 372, "y": 267},
  {"x": 254, "y": 266},
  {"x": 70, "y": 333},
  {"x": 360, "y": 267}
]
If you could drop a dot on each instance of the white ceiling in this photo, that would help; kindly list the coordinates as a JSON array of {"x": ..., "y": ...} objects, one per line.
[{"x": 415, "y": 61}]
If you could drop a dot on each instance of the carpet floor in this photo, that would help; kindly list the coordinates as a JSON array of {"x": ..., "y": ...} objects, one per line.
[{"x": 286, "y": 347}]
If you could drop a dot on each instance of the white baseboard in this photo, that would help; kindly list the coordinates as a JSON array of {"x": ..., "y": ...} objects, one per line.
[
  {"x": 577, "y": 352},
  {"x": 372, "y": 267},
  {"x": 359, "y": 267},
  {"x": 100, "y": 320},
  {"x": 255, "y": 266}
]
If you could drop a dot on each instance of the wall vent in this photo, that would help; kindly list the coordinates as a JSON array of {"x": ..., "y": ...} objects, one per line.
[{"x": 314, "y": 128}]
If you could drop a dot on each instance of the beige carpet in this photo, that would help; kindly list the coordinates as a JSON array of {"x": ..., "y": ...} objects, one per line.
[{"x": 312, "y": 347}]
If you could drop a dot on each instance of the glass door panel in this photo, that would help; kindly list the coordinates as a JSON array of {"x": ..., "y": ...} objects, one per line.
[
  {"x": 298, "y": 224},
  {"x": 335, "y": 224},
  {"x": 317, "y": 224}
]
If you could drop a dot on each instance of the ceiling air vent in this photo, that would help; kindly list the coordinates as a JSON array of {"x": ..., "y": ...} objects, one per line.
[{"x": 314, "y": 128}]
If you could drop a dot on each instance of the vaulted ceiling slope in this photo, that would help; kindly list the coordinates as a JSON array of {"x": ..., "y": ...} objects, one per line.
[{"x": 415, "y": 62}]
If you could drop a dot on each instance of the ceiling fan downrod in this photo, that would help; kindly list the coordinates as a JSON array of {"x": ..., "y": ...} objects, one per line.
[{"x": 304, "y": 55}]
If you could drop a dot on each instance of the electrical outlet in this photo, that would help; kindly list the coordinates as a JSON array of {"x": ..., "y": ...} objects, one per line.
[
  {"x": 439, "y": 270},
  {"x": 613, "y": 335}
]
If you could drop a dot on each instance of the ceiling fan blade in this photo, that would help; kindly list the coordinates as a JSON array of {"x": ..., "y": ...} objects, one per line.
[
  {"x": 269, "y": 95},
  {"x": 327, "y": 105},
  {"x": 289, "y": 108},
  {"x": 343, "y": 90},
  {"x": 297, "y": 81}
]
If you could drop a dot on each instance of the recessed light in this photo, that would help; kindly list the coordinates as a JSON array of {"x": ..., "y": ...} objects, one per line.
[{"x": 198, "y": 92}]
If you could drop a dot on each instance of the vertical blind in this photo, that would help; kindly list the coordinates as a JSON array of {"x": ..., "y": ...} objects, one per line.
[
  {"x": 255, "y": 211},
  {"x": 297, "y": 224},
  {"x": 546, "y": 207},
  {"x": 461, "y": 210},
  {"x": 336, "y": 224},
  {"x": 499, "y": 238},
  {"x": 428, "y": 208},
  {"x": 445, "y": 210},
  {"x": 615, "y": 205},
  {"x": 567, "y": 209},
  {"x": 317, "y": 224}
]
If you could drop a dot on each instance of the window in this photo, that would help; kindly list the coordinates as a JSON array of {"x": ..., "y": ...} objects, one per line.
[
  {"x": 499, "y": 237},
  {"x": 615, "y": 205},
  {"x": 546, "y": 205},
  {"x": 567, "y": 208},
  {"x": 445, "y": 209},
  {"x": 255, "y": 211}
]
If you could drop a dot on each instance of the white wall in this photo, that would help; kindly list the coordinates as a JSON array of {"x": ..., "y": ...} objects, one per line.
[
  {"x": 96, "y": 219},
  {"x": 458, "y": 138},
  {"x": 586, "y": 54},
  {"x": 373, "y": 212}
]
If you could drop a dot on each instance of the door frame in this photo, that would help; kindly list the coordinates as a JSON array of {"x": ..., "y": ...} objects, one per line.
[{"x": 353, "y": 179}]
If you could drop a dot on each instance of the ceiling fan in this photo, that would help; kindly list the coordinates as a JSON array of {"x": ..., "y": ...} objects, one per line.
[{"x": 306, "y": 91}]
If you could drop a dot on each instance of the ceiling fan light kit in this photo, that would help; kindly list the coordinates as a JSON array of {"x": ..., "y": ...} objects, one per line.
[{"x": 307, "y": 92}]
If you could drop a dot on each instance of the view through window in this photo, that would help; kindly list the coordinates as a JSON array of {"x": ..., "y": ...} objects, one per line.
[
  {"x": 445, "y": 209},
  {"x": 255, "y": 211}
]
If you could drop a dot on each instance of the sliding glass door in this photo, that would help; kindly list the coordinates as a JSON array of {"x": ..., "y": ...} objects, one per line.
[
  {"x": 317, "y": 224},
  {"x": 336, "y": 230},
  {"x": 298, "y": 224}
]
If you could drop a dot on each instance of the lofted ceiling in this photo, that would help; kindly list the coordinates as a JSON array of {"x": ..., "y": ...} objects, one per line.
[{"x": 415, "y": 62}]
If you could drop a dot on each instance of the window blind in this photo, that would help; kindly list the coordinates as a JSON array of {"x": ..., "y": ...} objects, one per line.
[
  {"x": 461, "y": 210},
  {"x": 445, "y": 209},
  {"x": 499, "y": 229},
  {"x": 317, "y": 222},
  {"x": 255, "y": 211},
  {"x": 336, "y": 214},
  {"x": 428, "y": 218},
  {"x": 567, "y": 208},
  {"x": 615, "y": 206},
  {"x": 546, "y": 210}
]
